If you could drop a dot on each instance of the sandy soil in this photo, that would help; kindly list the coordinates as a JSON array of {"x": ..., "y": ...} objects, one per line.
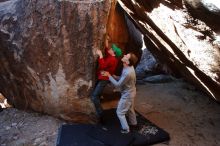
[{"x": 189, "y": 116}]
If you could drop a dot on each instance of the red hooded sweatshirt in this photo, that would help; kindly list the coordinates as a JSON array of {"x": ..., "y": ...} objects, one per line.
[{"x": 107, "y": 63}]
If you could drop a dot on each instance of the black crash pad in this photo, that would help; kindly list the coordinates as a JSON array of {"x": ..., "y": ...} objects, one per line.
[
  {"x": 76, "y": 135},
  {"x": 148, "y": 133},
  {"x": 145, "y": 133},
  {"x": 111, "y": 136}
]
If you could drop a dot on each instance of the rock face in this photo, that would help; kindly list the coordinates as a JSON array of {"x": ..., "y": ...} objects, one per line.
[
  {"x": 123, "y": 32},
  {"x": 47, "y": 54},
  {"x": 186, "y": 44},
  {"x": 206, "y": 10}
]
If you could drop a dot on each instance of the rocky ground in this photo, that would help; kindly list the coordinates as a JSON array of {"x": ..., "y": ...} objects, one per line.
[{"x": 189, "y": 116}]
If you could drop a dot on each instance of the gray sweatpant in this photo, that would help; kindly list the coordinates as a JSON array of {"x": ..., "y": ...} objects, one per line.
[{"x": 126, "y": 106}]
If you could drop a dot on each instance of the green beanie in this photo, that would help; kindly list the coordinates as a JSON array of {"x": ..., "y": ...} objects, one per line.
[{"x": 117, "y": 50}]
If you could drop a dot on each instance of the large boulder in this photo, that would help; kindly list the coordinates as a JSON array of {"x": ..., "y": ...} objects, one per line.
[
  {"x": 47, "y": 54},
  {"x": 205, "y": 10},
  {"x": 185, "y": 43}
]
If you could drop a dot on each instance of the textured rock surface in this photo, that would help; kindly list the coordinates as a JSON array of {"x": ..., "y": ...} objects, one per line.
[
  {"x": 186, "y": 44},
  {"x": 205, "y": 10},
  {"x": 123, "y": 32},
  {"x": 47, "y": 54}
]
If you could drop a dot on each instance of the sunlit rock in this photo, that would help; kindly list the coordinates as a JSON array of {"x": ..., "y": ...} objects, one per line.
[{"x": 187, "y": 44}]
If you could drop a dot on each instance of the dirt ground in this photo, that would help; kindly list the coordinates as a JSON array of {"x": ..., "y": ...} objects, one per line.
[{"x": 189, "y": 116}]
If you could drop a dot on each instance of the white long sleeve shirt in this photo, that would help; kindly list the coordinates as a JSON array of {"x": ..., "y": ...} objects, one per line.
[{"x": 126, "y": 82}]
